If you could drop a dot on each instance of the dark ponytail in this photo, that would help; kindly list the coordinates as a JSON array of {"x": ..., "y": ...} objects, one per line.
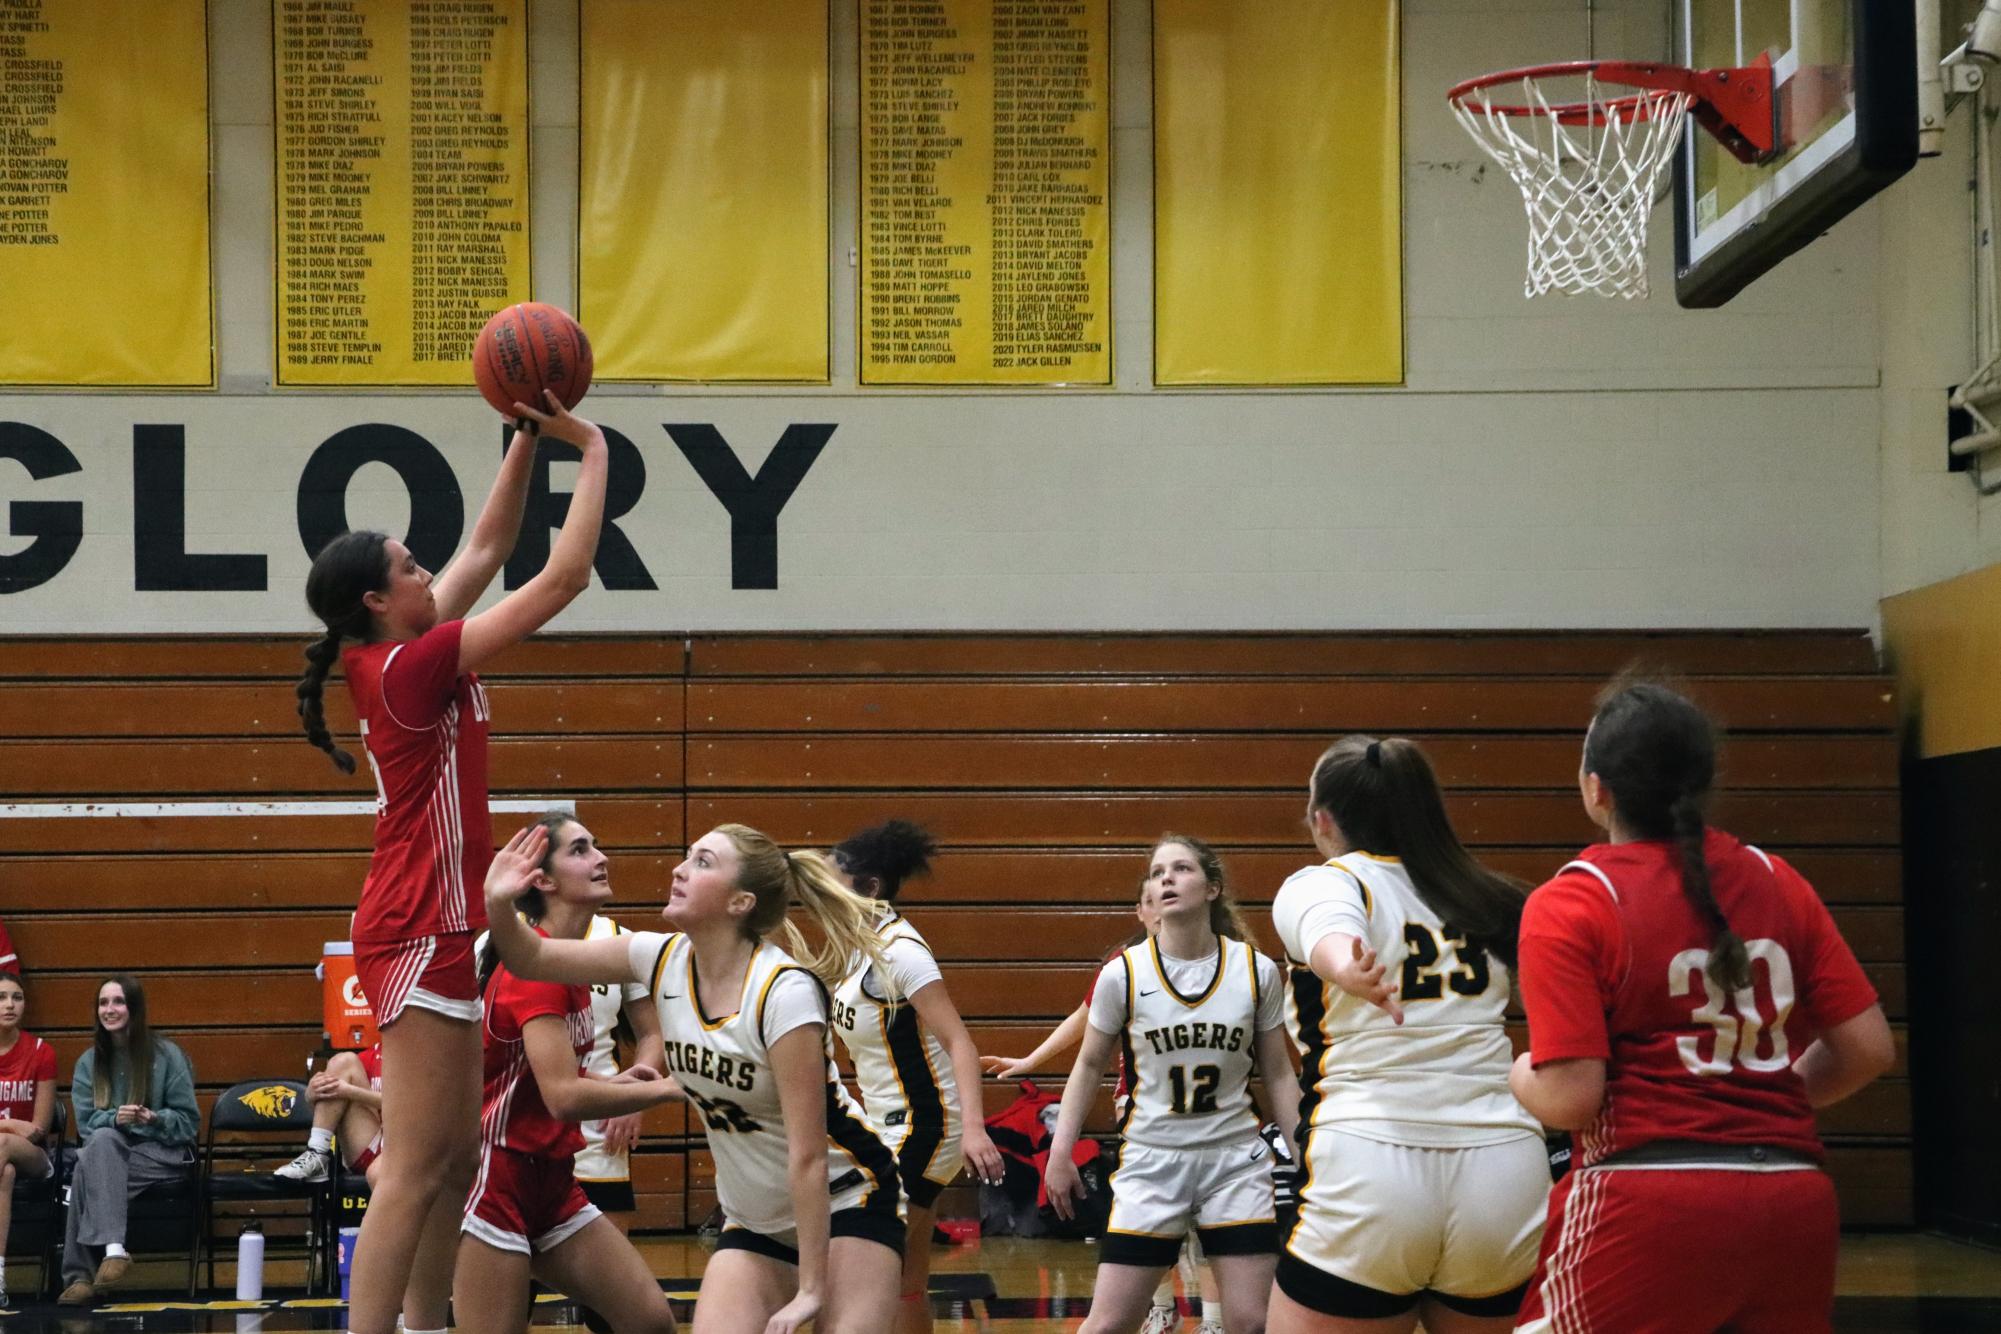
[
  {"x": 347, "y": 569},
  {"x": 888, "y": 853},
  {"x": 531, "y": 904},
  {"x": 1385, "y": 798},
  {"x": 1655, "y": 752}
]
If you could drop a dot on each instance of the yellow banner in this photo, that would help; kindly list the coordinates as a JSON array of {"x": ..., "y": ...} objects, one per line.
[
  {"x": 702, "y": 229},
  {"x": 402, "y": 184},
  {"x": 1278, "y": 202},
  {"x": 986, "y": 165},
  {"x": 104, "y": 240}
]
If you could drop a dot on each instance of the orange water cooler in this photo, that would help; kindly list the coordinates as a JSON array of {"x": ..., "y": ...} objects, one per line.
[{"x": 349, "y": 1019}]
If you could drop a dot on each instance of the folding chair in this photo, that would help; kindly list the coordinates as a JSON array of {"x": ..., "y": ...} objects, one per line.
[{"x": 246, "y": 1112}]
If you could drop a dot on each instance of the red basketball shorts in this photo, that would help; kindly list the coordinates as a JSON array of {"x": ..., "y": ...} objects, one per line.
[
  {"x": 523, "y": 1203},
  {"x": 1664, "y": 1250},
  {"x": 435, "y": 973}
]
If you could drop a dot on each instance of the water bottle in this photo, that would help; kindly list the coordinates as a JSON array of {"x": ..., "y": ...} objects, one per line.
[{"x": 250, "y": 1263}]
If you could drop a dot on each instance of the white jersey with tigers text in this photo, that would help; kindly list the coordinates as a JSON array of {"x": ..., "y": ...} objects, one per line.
[
  {"x": 1439, "y": 1080},
  {"x": 724, "y": 1066},
  {"x": 1190, "y": 1049},
  {"x": 902, "y": 1068}
]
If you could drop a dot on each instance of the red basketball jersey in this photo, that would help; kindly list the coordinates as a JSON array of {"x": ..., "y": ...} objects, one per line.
[
  {"x": 371, "y": 1065},
  {"x": 31, "y": 1061},
  {"x": 512, "y": 1113},
  {"x": 10, "y": 962},
  {"x": 424, "y": 727},
  {"x": 1614, "y": 966}
]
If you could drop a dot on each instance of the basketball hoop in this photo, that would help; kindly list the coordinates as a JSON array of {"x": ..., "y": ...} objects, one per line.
[{"x": 1588, "y": 166}]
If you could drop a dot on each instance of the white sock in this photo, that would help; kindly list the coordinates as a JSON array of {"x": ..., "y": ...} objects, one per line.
[
  {"x": 112, "y": 1248},
  {"x": 1212, "y": 1312},
  {"x": 1164, "y": 1294},
  {"x": 321, "y": 1140}
]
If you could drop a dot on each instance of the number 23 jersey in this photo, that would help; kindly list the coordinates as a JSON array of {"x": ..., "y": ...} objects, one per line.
[
  {"x": 1440, "y": 1080},
  {"x": 724, "y": 1065},
  {"x": 1615, "y": 967}
]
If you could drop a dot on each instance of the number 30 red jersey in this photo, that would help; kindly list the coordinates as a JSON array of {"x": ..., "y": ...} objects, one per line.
[
  {"x": 424, "y": 727},
  {"x": 1615, "y": 966}
]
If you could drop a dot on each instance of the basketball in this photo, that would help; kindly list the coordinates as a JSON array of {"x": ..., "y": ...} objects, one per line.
[{"x": 527, "y": 348}]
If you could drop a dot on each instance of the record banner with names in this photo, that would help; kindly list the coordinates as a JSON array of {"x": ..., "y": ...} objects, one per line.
[
  {"x": 104, "y": 200},
  {"x": 703, "y": 223},
  {"x": 402, "y": 185},
  {"x": 986, "y": 170}
]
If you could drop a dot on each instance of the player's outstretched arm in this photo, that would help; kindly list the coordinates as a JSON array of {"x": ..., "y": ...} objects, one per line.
[
  {"x": 572, "y": 1096},
  {"x": 934, "y": 1006},
  {"x": 460, "y": 584},
  {"x": 1060, "y": 1040},
  {"x": 584, "y": 963},
  {"x": 568, "y": 570}
]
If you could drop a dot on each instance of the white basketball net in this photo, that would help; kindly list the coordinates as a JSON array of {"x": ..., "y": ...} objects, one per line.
[{"x": 1588, "y": 188}]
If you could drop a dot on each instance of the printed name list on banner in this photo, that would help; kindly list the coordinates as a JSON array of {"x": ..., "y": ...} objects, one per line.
[
  {"x": 986, "y": 165},
  {"x": 104, "y": 250},
  {"x": 402, "y": 185}
]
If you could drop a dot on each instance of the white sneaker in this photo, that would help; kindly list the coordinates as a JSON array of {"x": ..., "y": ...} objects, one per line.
[
  {"x": 313, "y": 1165},
  {"x": 1208, "y": 1327},
  {"x": 1161, "y": 1320}
]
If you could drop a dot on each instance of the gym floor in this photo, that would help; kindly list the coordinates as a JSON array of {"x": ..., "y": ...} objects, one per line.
[{"x": 1902, "y": 1283}]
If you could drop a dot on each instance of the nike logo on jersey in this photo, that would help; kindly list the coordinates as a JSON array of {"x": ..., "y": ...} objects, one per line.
[{"x": 1146, "y": 993}]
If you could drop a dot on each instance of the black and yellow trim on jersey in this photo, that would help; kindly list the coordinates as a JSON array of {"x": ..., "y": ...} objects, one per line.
[
  {"x": 1368, "y": 899},
  {"x": 1130, "y": 1062},
  {"x": 1160, "y": 970},
  {"x": 1310, "y": 1002},
  {"x": 870, "y": 1155},
  {"x": 695, "y": 993},
  {"x": 764, "y": 994},
  {"x": 918, "y": 1082},
  {"x": 660, "y": 963}
]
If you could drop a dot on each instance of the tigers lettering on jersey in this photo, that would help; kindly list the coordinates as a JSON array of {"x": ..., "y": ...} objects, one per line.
[
  {"x": 1190, "y": 1056},
  {"x": 1187, "y": 1037},
  {"x": 724, "y": 1066},
  {"x": 688, "y": 1058}
]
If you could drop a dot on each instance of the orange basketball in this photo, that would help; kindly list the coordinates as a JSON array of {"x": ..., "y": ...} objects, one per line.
[{"x": 528, "y": 348}]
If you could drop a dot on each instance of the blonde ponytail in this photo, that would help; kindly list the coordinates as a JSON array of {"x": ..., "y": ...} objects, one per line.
[
  {"x": 848, "y": 920},
  {"x": 777, "y": 879}
]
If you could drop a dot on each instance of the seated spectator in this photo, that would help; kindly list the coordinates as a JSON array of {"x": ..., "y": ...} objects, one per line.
[
  {"x": 347, "y": 1111},
  {"x": 27, "y": 1106},
  {"x": 135, "y": 1111}
]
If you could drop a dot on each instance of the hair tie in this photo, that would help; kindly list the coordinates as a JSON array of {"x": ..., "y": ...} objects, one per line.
[{"x": 1374, "y": 754}]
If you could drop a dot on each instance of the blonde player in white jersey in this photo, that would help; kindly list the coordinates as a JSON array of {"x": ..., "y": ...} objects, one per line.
[
  {"x": 914, "y": 1061},
  {"x": 1196, "y": 1011},
  {"x": 1426, "y": 1182},
  {"x": 812, "y": 1232}
]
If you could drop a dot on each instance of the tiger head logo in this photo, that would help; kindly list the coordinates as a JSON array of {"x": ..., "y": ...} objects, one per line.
[{"x": 273, "y": 1102}]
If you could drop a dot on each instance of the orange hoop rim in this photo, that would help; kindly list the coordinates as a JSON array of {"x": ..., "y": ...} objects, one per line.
[{"x": 1735, "y": 105}]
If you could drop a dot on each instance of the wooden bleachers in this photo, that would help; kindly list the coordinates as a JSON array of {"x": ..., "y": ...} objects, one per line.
[{"x": 1046, "y": 765}]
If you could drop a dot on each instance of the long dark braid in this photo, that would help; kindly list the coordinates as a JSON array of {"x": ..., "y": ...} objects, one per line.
[
  {"x": 347, "y": 569},
  {"x": 1656, "y": 752}
]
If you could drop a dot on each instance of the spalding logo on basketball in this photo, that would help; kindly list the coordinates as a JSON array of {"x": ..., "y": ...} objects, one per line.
[
  {"x": 351, "y": 994},
  {"x": 527, "y": 348},
  {"x": 273, "y": 1102}
]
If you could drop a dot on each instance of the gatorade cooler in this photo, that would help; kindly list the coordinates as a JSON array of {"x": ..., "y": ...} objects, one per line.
[{"x": 349, "y": 1019}]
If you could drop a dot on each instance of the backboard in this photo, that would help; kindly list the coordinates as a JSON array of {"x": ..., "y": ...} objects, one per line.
[{"x": 1845, "y": 81}]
